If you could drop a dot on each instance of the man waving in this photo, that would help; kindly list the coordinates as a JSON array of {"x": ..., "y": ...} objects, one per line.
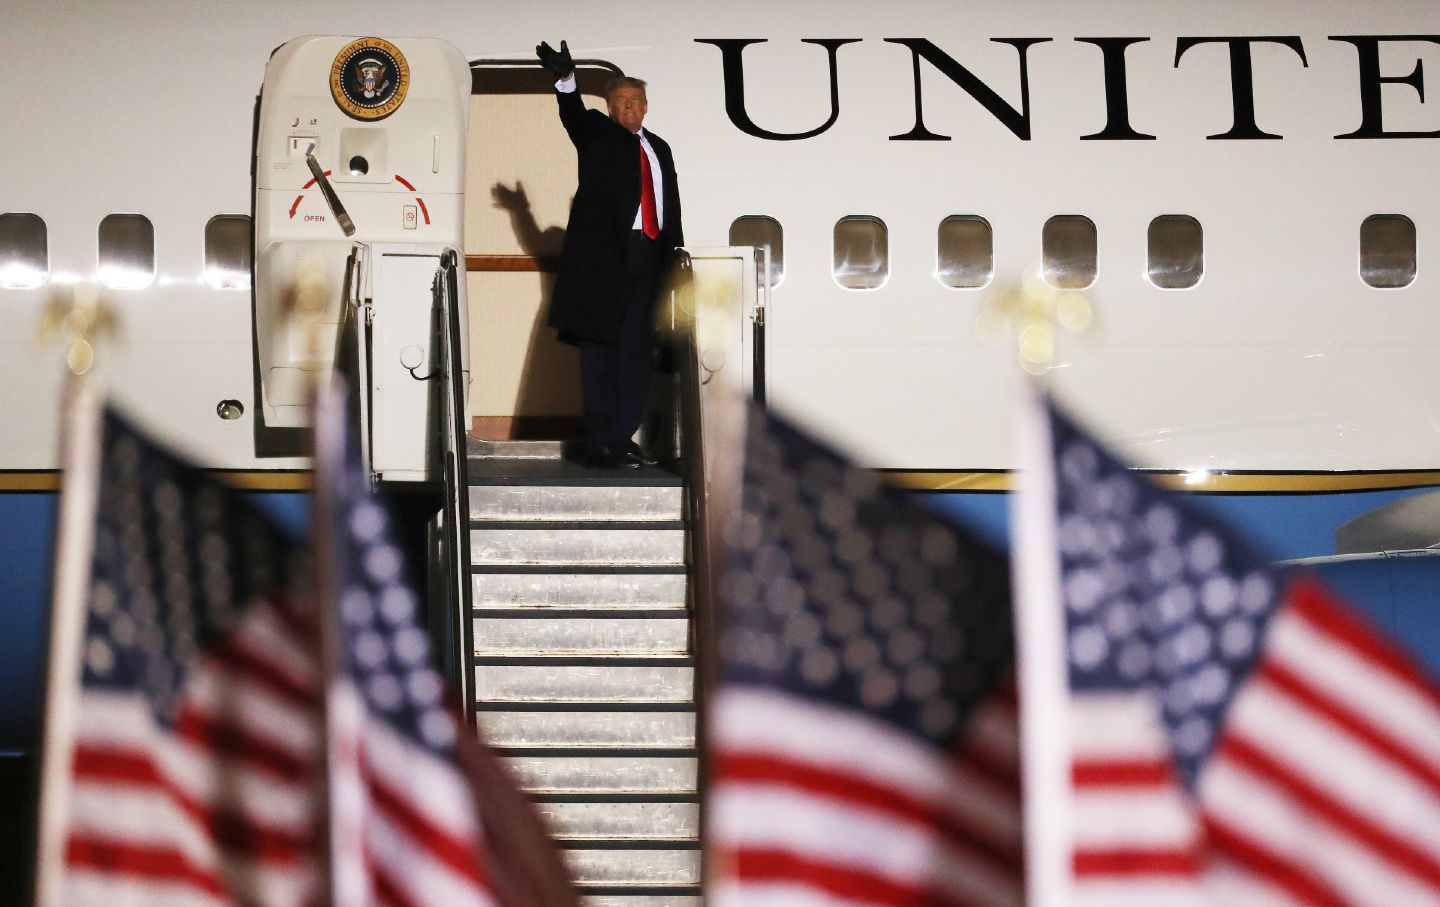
[{"x": 623, "y": 231}]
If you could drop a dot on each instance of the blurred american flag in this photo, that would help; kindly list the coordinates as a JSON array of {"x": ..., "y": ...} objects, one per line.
[
  {"x": 197, "y": 753},
  {"x": 863, "y": 739},
  {"x": 1238, "y": 735},
  {"x": 236, "y": 744},
  {"x": 405, "y": 824}
]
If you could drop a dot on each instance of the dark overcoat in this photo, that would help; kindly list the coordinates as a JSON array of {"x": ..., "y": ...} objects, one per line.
[{"x": 588, "y": 302}]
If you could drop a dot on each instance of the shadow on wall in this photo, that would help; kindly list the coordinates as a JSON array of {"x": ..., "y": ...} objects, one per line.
[
  {"x": 547, "y": 402},
  {"x": 550, "y": 370}
]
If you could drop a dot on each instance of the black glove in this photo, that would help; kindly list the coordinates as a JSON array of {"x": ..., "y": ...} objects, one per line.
[{"x": 557, "y": 61}]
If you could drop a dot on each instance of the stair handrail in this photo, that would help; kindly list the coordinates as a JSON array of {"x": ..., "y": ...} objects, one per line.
[{"x": 456, "y": 472}]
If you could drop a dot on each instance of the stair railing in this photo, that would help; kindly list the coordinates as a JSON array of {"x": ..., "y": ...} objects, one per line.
[{"x": 455, "y": 518}]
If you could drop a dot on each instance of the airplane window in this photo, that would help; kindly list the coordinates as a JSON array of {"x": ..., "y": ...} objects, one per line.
[
  {"x": 24, "y": 251},
  {"x": 227, "y": 252},
  {"x": 862, "y": 252},
  {"x": 758, "y": 230},
  {"x": 127, "y": 251},
  {"x": 1387, "y": 251},
  {"x": 1177, "y": 252},
  {"x": 965, "y": 252},
  {"x": 1068, "y": 251}
]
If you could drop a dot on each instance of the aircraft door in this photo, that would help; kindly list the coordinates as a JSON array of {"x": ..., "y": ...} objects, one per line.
[
  {"x": 359, "y": 141},
  {"x": 520, "y": 179},
  {"x": 727, "y": 296}
]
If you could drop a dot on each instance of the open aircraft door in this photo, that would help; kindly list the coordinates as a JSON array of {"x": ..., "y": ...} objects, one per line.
[
  {"x": 359, "y": 196},
  {"x": 359, "y": 227}
]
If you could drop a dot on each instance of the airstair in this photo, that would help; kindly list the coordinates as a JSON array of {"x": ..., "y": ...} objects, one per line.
[
  {"x": 584, "y": 671},
  {"x": 573, "y": 604},
  {"x": 571, "y": 609}
]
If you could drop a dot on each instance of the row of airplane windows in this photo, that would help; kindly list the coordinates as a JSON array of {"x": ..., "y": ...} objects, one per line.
[{"x": 964, "y": 251}]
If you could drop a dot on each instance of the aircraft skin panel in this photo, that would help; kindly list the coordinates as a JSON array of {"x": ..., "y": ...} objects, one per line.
[{"x": 1279, "y": 358}]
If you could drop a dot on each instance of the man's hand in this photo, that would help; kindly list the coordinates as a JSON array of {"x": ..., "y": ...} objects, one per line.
[{"x": 557, "y": 61}]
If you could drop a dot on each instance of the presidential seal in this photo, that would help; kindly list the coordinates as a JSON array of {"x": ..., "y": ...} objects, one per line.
[{"x": 369, "y": 78}]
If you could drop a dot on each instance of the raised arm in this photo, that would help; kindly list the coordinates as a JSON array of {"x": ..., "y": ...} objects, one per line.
[{"x": 572, "y": 110}]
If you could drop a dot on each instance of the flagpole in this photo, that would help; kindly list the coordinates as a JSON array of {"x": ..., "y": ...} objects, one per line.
[
  {"x": 1030, "y": 314},
  {"x": 343, "y": 878},
  {"x": 1045, "y": 740},
  {"x": 70, "y": 585}
]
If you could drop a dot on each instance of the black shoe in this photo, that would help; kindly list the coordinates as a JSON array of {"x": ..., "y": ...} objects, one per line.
[
  {"x": 633, "y": 451},
  {"x": 607, "y": 457}
]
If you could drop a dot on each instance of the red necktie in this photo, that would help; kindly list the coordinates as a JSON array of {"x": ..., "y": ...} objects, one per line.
[{"x": 649, "y": 221}]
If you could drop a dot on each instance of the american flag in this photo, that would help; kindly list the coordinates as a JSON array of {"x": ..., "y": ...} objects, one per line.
[
  {"x": 405, "y": 826},
  {"x": 1238, "y": 735},
  {"x": 864, "y": 736},
  {"x": 197, "y": 744},
  {"x": 222, "y": 757}
]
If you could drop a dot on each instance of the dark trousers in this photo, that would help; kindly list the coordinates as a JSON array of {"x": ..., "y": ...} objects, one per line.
[{"x": 615, "y": 377}]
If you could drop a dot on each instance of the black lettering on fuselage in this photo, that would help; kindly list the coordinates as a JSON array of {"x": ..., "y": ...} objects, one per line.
[
  {"x": 1115, "y": 84},
  {"x": 1367, "y": 47},
  {"x": 731, "y": 50},
  {"x": 1017, "y": 121}
]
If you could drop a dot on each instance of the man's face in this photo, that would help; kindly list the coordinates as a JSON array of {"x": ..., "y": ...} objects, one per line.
[{"x": 627, "y": 107}]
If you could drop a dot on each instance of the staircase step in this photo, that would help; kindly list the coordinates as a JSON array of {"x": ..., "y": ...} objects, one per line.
[
  {"x": 655, "y": 821},
  {"x": 576, "y": 502},
  {"x": 479, "y": 448},
  {"x": 569, "y": 543},
  {"x": 618, "y": 775},
  {"x": 662, "y": 682},
  {"x": 633, "y": 866},
  {"x": 577, "y": 590},
  {"x": 547, "y": 470},
  {"x": 588, "y": 728},
  {"x": 583, "y": 635}
]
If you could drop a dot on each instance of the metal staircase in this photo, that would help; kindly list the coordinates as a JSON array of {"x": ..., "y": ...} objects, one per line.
[{"x": 584, "y": 672}]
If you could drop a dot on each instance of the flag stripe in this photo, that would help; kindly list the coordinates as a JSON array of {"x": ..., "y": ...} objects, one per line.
[
  {"x": 239, "y": 659},
  {"x": 1309, "y": 600},
  {"x": 130, "y": 859},
  {"x": 230, "y": 828},
  {"x": 776, "y": 817},
  {"x": 845, "y": 882},
  {"x": 389, "y": 892},
  {"x": 1351, "y": 774},
  {"x": 1268, "y": 817},
  {"x": 1385, "y": 746},
  {"x": 1386, "y": 846},
  {"x": 457, "y": 854},
  {"x": 85, "y": 887},
  {"x": 222, "y": 736},
  {"x": 1122, "y": 773},
  {"x": 442, "y": 795},
  {"x": 414, "y": 869},
  {"x": 1136, "y": 861},
  {"x": 988, "y": 830},
  {"x": 748, "y": 719},
  {"x": 1292, "y": 877},
  {"x": 1351, "y": 680}
]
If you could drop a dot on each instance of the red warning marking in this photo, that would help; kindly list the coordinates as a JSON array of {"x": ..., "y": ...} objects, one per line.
[
  {"x": 411, "y": 186},
  {"x": 301, "y": 197}
]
